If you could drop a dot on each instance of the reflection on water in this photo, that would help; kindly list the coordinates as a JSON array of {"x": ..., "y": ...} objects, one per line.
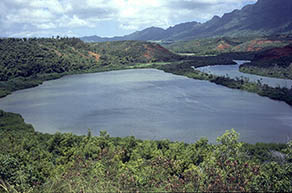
[{"x": 150, "y": 104}]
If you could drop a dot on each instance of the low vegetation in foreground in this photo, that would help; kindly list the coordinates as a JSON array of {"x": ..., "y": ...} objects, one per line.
[{"x": 36, "y": 162}]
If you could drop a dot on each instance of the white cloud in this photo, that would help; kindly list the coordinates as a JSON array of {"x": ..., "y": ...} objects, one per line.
[
  {"x": 77, "y": 22},
  {"x": 37, "y": 16},
  {"x": 46, "y": 26}
]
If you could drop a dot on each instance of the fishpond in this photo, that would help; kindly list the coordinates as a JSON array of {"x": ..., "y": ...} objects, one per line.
[{"x": 150, "y": 104}]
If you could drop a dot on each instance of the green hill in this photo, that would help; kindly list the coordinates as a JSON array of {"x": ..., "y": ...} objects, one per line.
[
  {"x": 29, "y": 57},
  {"x": 130, "y": 52},
  {"x": 215, "y": 46},
  {"x": 26, "y": 63}
]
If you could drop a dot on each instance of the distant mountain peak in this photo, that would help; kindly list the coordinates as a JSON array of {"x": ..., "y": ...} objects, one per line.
[
  {"x": 265, "y": 17},
  {"x": 216, "y": 17}
]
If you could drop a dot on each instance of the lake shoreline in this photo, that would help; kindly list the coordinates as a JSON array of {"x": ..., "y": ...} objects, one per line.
[
  {"x": 227, "y": 82},
  {"x": 114, "y": 103},
  {"x": 30, "y": 82}
]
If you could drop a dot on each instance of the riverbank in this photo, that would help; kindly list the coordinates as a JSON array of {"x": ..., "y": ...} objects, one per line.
[
  {"x": 273, "y": 62},
  {"x": 273, "y": 71},
  {"x": 188, "y": 70}
]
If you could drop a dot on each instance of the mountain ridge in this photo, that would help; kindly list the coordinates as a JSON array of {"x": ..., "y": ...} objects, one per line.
[{"x": 265, "y": 17}]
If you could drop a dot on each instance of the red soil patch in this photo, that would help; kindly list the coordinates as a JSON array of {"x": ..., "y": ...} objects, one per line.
[
  {"x": 151, "y": 50},
  {"x": 275, "y": 53},
  {"x": 155, "y": 50},
  {"x": 79, "y": 52},
  {"x": 147, "y": 56},
  {"x": 251, "y": 46},
  {"x": 95, "y": 55},
  {"x": 162, "y": 49},
  {"x": 148, "y": 53},
  {"x": 222, "y": 46},
  {"x": 254, "y": 44}
]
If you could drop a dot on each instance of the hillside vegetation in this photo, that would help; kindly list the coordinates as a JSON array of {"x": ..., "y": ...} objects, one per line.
[
  {"x": 26, "y": 63},
  {"x": 216, "y": 46},
  {"x": 29, "y": 57},
  {"x": 274, "y": 62},
  {"x": 36, "y": 162},
  {"x": 188, "y": 69},
  {"x": 131, "y": 52}
]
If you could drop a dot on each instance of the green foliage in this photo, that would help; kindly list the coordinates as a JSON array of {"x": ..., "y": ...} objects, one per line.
[
  {"x": 26, "y": 58},
  {"x": 35, "y": 162},
  {"x": 187, "y": 68},
  {"x": 265, "y": 152},
  {"x": 131, "y": 52},
  {"x": 280, "y": 68},
  {"x": 14, "y": 122},
  {"x": 26, "y": 63},
  {"x": 217, "y": 46}
]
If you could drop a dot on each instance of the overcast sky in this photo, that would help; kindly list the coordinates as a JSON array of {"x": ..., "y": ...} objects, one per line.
[{"x": 46, "y": 18}]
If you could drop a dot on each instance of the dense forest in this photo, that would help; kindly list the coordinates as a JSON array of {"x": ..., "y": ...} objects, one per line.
[
  {"x": 29, "y": 57},
  {"x": 36, "y": 162},
  {"x": 27, "y": 62}
]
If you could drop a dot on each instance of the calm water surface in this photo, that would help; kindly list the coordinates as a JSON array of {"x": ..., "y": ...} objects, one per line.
[
  {"x": 232, "y": 71},
  {"x": 150, "y": 104}
]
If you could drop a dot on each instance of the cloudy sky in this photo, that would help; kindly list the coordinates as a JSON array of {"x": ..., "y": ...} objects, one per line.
[{"x": 45, "y": 18}]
